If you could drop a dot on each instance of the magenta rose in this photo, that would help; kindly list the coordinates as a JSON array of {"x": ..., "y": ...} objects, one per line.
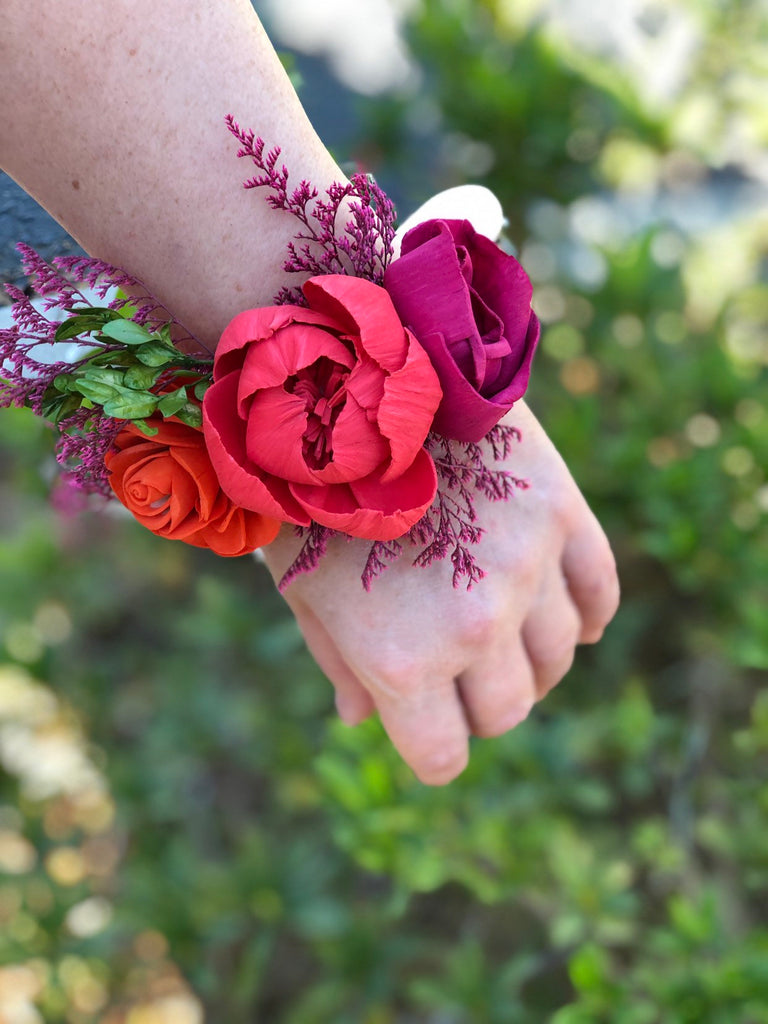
[
  {"x": 321, "y": 413},
  {"x": 469, "y": 304}
]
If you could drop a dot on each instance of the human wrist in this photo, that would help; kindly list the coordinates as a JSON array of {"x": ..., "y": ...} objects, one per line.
[{"x": 355, "y": 403}]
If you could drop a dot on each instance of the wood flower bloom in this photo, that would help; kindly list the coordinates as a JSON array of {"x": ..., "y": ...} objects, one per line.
[
  {"x": 321, "y": 413},
  {"x": 469, "y": 304},
  {"x": 168, "y": 484}
]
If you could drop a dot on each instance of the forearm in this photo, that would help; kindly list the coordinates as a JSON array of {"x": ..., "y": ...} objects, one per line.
[{"x": 113, "y": 120}]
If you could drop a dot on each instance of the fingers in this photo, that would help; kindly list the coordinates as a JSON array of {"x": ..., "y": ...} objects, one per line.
[
  {"x": 429, "y": 730},
  {"x": 425, "y": 722},
  {"x": 550, "y": 633},
  {"x": 353, "y": 702},
  {"x": 498, "y": 692},
  {"x": 426, "y": 726},
  {"x": 590, "y": 572}
]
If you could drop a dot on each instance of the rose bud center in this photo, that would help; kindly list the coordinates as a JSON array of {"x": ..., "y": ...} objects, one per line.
[
  {"x": 147, "y": 495},
  {"x": 322, "y": 386}
]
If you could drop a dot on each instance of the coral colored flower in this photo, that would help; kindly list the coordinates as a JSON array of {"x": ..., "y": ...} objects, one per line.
[
  {"x": 469, "y": 304},
  {"x": 168, "y": 484},
  {"x": 321, "y": 413}
]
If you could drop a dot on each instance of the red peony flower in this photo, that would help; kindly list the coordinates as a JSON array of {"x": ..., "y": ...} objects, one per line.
[
  {"x": 321, "y": 413},
  {"x": 168, "y": 484},
  {"x": 469, "y": 304}
]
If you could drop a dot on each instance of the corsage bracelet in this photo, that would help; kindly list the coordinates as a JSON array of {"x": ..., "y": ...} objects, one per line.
[{"x": 365, "y": 403}]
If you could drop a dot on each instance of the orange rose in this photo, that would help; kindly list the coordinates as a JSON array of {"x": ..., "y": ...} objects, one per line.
[{"x": 168, "y": 484}]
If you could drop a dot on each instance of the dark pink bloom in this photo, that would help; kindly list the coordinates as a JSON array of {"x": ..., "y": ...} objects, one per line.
[
  {"x": 321, "y": 413},
  {"x": 469, "y": 304}
]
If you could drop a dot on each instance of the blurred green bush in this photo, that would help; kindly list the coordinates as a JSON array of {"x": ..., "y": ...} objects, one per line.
[{"x": 186, "y": 833}]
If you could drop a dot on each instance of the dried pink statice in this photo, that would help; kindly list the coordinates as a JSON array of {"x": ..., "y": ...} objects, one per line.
[
  {"x": 349, "y": 231},
  {"x": 83, "y": 443},
  {"x": 450, "y": 527}
]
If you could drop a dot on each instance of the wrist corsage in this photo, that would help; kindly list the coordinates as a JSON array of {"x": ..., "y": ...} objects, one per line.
[{"x": 366, "y": 402}]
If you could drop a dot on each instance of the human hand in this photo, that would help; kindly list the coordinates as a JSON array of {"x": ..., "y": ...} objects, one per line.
[{"x": 440, "y": 664}]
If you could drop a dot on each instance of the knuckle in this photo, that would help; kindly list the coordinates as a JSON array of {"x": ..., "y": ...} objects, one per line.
[
  {"x": 394, "y": 671},
  {"x": 480, "y": 625},
  {"x": 555, "y": 656},
  {"x": 562, "y": 507},
  {"x": 520, "y": 562}
]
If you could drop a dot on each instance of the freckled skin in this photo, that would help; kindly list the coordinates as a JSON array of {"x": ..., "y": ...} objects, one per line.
[{"x": 162, "y": 197}]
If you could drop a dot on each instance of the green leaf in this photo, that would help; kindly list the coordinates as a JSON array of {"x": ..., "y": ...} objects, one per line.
[
  {"x": 191, "y": 414},
  {"x": 71, "y": 328},
  {"x": 56, "y": 407},
  {"x": 153, "y": 353},
  {"x": 104, "y": 375},
  {"x": 107, "y": 359},
  {"x": 170, "y": 404},
  {"x": 63, "y": 382},
  {"x": 104, "y": 313},
  {"x": 146, "y": 428},
  {"x": 83, "y": 323},
  {"x": 164, "y": 334},
  {"x": 99, "y": 393},
  {"x": 127, "y": 311},
  {"x": 126, "y": 332},
  {"x": 140, "y": 378},
  {"x": 131, "y": 405},
  {"x": 201, "y": 387}
]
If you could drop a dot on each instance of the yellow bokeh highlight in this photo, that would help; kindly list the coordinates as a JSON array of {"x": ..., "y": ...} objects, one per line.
[
  {"x": 66, "y": 866},
  {"x": 175, "y": 1009},
  {"x": 53, "y": 623},
  {"x": 581, "y": 376},
  {"x": 629, "y": 165},
  {"x": 17, "y": 854},
  {"x": 703, "y": 430}
]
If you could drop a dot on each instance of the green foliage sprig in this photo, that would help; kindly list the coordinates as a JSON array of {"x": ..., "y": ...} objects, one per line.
[{"x": 135, "y": 373}]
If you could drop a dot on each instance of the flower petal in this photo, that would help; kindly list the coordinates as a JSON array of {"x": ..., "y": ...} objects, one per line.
[
  {"x": 197, "y": 464},
  {"x": 245, "y": 483},
  {"x": 274, "y": 435},
  {"x": 358, "y": 447},
  {"x": 504, "y": 284},
  {"x": 429, "y": 291},
  {"x": 257, "y": 325},
  {"x": 371, "y": 508},
  {"x": 468, "y": 303},
  {"x": 463, "y": 414},
  {"x": 407, "y": 410},
  {"x": 366, "y": 311},
  {"x": 269, "y": 363},
  {"x": 238, "y": 532}
]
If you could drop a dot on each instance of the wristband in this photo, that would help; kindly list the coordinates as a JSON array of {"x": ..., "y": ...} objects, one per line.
[{"x": 365, "y": 402}]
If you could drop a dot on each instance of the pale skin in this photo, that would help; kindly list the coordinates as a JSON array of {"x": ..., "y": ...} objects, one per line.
[{"x": 113, "y": 120}]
